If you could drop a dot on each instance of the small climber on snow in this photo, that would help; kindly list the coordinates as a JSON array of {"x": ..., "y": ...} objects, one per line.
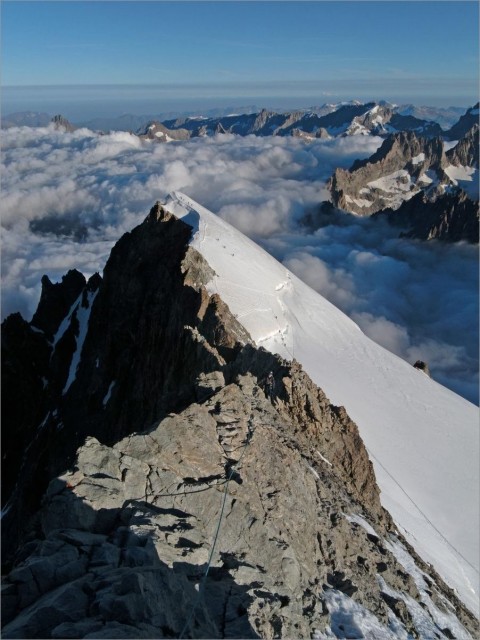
[{"x": 270, "y": 386}]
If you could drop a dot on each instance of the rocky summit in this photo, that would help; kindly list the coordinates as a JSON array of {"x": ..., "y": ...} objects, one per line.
[
  {"x": 415, "y": 184},
  {"x": 156, "y": 487},
  {"x": 401, "y": 167}
]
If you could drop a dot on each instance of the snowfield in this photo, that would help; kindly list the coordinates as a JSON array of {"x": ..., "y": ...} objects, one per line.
[
  {"x": 465, "y": 177},
  {"x": 423, "y": 439}
]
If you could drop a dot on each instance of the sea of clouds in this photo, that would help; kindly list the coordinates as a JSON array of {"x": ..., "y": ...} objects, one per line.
[{"x": 67, "y": 198}]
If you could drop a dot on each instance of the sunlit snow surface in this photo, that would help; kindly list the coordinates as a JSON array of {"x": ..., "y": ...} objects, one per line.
[
  {"x": 465, "y": 177},
  {"x": 422, "y": 438}
]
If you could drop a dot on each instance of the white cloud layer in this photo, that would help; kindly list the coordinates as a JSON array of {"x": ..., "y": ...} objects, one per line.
[{"x": 66, "y": 198}]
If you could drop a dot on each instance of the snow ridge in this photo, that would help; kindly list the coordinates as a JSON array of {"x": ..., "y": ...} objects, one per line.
[{"x": 423, "y": 439}]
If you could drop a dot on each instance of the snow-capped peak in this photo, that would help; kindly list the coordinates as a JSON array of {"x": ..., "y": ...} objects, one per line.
[{"x": 422, "y": 438}]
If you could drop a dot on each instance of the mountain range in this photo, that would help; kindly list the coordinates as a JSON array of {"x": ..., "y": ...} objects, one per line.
[
  {"x": 156, "y": 486},
  {"x": 380, "y": 119},
  {"x": 343, "y": 118}
]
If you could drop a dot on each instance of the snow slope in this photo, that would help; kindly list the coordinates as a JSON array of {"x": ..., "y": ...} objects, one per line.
[{"x": 423, "y": 439}]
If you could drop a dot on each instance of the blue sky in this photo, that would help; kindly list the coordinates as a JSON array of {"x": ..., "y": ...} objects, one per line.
[{"x": 424, "y": 52}]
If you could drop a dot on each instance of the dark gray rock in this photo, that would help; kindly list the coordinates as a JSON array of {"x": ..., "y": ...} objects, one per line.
[
  {"x": 468, "y": 120},
  {"x": 466, "y": 152},
  {"x": 422, "y": 366},
  {"x": 79, "y": 538},
  {"x": 117, "y": 630},
  {"x": 62, "y": 124},
  {"x": 450, "y": 217},
  {"x": 67, "y": 603},
  {"x": 79, "y": 629},
  {"x": 105, "y": 554}
]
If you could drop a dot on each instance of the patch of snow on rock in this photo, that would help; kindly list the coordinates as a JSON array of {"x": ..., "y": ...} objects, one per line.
[
  {"x": 357, "y": 519},
  {"x": 418, "y": 159},
  {"x": 464, "y": 177},
  {"x": 323, "y": 458},
  {"x": 348, "y": 619},
  {"x": 108, "y": 394},
  {"x": 83, "y": 316},
  {"x": 398, "y": 180}
]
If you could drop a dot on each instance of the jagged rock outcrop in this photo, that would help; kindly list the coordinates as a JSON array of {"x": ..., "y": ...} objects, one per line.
[
  {"x": 136, "y": 521},
  {"x": 422, "y": 366},
  {"x": 400, "y": 168},
  {"x": 172, "y": 498},
  {"x": 127, "y": 370},
  {"x": 331, "y": 120},
  {"x": 27, "y": 363},
  {"x": 219, "y": 128},
  {"x": 466, "y": 152},
  {"x": 320, "y": 133},
  {"x": 56, "y": 300},
  {"x": 450, "y": 217},
  {"x": 382, "y": 120},
  {"x": 61, "y": 123},
  {"x": 159, "y": 133},
  {"x": 465, "y": 123},
  {"x": 413, "y": 183},
  {"x": 266, "y": 118}
]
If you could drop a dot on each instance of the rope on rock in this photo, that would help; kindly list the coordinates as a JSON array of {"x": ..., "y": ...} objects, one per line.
[{"x": 217, "y": 532}]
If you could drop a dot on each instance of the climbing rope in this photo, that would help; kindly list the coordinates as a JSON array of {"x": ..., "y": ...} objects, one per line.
[
  {"x": 422, "y": 513},
  {"x": 217, "y": 532}
]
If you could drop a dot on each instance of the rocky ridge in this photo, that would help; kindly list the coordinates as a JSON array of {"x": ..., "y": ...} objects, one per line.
[
  {"x": 345, "y": 119},
  {"x": 469, "y": 119},
  {"x": 151, "y": 431},
  {"x": 159, "y": 133},
  {"x": 330, "y": 120},
  {"x": 402, "y": 166},
  {"x": 382, "y": 120},
  {"x": 451, "y": 217},
  {"x": 415, "y": 184},
  {"x": 445, "y": 116},
  {"x": 466, "y": 152}
]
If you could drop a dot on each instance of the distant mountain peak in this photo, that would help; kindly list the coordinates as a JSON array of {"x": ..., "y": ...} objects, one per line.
[
  {"x": 465, "y": 123},
  {"x": 434, "y": 192},
  {"x": 60, "y": 122}
]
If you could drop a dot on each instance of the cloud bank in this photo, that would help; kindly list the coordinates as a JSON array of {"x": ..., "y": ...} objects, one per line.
[{"x": 67, "y": 198}]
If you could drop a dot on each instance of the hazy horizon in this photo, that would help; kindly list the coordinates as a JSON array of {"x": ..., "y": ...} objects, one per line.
[{"x": 85, "y": 102}]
